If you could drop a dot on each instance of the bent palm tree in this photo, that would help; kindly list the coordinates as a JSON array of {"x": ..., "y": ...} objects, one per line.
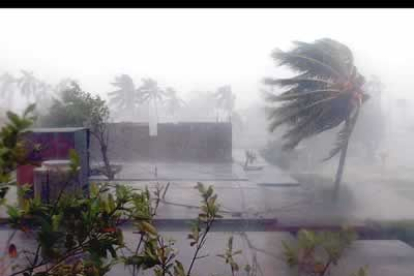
[
  {"x": 326, "y": 93},
  {"x": 28, "y": 84},
  {"x": 125, "y": 97},
  {"x": 150, "y": 92}
]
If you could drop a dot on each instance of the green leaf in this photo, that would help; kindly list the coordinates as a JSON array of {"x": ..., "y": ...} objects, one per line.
[
  {"x": 112, "y": 251},
  {"x": 14, "y": 118},
  {"x": 179, "y": 269},
  {"x": 94, "y": 190},
  {"x": 201, "y": 188},
  {"x": 209, "y": 191},
  {"x": 13, "y": 212},
  {"x": 111, "y": 202},
  {"x": 148, "y": 228},
  {"x": 56, "y": 219},
  {"x": 237, "y": 252},
  {"x": 29, "y": 109},
  {"x": 230, "y": 243},
  {"x": 74, "y": 160}
]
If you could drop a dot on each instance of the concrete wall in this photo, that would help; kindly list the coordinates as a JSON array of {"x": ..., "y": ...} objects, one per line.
[{"x": 194, "y": 142}]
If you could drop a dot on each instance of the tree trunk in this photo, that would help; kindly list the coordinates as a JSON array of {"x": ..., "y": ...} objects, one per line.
[
  {"x": 156, "y": 111},
  {"x": 340, "y": 170},
  {"x": 108, "y": 169}
]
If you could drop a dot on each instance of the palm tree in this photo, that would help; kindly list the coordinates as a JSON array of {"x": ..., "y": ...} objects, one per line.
[
  {"x": 150, "y": 92},
  {"x": 7, "y": 88},
  {"x": 173, "y": 101},
  {"x": 225, "y": 100},
  {"x": 27, "y": 84},
  {"x": 326, "y": 93},
  {"x": 125, "y": 97}
]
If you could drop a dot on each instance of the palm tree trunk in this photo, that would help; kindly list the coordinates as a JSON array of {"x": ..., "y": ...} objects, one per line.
[
  {"x": 341, "y": 166},
  {"x": 108, "y": 168},
  {"x": 156, "y": 111}
]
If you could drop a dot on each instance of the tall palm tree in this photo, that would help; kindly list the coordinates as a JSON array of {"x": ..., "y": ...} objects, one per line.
[
  {"x": 150, "y": 92},
  {"x": 173, "y": 101},
  {"x": 7, "y": 88},
  {"x": 27, "y": 84},
  {"x": 125, "y": 97},
  {"x": 226, "y": 100},
  {"x": 326, "y": 92}
]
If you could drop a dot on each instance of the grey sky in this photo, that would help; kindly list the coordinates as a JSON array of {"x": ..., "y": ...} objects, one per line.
[{"x": 198, "y": 49}]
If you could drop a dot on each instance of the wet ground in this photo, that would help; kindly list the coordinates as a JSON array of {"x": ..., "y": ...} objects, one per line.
[{"x": 300, "y": 199}]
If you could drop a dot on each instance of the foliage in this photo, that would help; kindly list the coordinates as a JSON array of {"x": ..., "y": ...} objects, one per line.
[
  {"x": 228, "y": 256},
  {"x": 14, "y": 150},
  {"x": 150, "y": 92},
  {"x": 157, "y": 253},
  {"x": 327, "y": 92},
  {"x": 126, "y": 97},
  {"x": 314, "y": 253},
  {"x": 81, "y": 235},
  {"x": 28, "y": 85},
  {"x": 78, "y": 108}
]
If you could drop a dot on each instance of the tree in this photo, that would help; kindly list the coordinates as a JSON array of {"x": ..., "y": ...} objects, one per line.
[
  {"x": 173, "y": 101},
  {"x": 27, "y": 84},
  {"x": 150, "y": 92},
  {"x": 126, "y": 96},
  {"x": 83, "y": 234},
  {"x": 326, "y": 93},
  {"x": 226, "y": 100},
  {"x": 78, "y": 108},
  {"x": 63, "y": 84}
]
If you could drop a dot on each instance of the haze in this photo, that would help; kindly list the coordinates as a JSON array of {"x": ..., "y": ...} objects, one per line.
[{"x": 197, "y": 49}]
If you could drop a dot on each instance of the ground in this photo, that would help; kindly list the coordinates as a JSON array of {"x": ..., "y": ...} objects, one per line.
[{"x": 280, "y": 199}]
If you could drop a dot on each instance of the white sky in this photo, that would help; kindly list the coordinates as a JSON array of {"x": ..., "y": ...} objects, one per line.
[{"x": 198, "y": 49}]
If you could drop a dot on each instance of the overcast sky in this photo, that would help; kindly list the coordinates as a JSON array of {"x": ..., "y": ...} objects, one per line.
[{"x": 198, "y": 49}]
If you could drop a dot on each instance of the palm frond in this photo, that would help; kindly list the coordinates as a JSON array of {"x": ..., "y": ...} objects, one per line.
[
  {"x": 320, "y": 97},
  {"x": 297, "y": 81},
  {"x": 312, "y": 67},
  {"x": 287, "y": 96}
]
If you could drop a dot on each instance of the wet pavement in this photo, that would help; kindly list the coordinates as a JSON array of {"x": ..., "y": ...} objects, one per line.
[
  {"x": 270, "y": 193},
  {"x": 248, "y": 197}
]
